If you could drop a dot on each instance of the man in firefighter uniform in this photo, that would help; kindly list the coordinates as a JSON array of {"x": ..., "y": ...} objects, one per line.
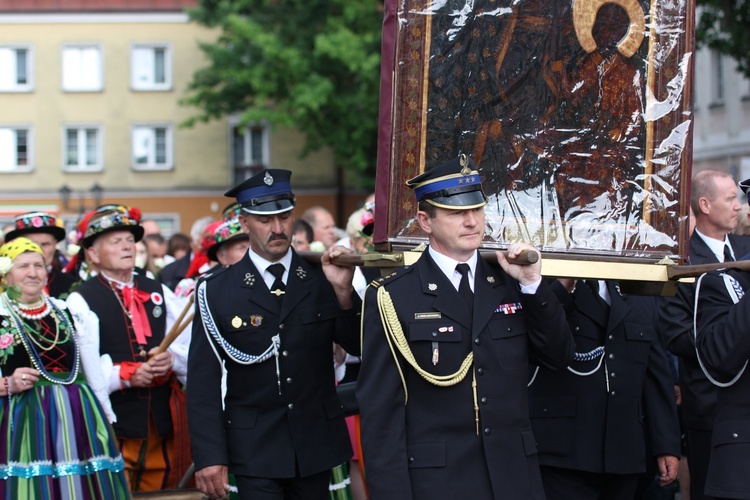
[
  {"x": 266, "y": 408},
  {"x": 446, "y": 349}
]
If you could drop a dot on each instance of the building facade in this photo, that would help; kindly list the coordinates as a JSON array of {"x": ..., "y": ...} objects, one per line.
[
  {"x": 721, "y": 137},
  {"x": 90, "y": 96}
]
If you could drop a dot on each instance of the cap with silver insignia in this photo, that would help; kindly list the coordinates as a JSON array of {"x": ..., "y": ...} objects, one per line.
[
  {"x": 455, "y": 184},
  {"x": 266, "y": 193}
]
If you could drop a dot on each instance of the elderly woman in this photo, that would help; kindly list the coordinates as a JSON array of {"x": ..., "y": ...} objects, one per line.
[{"x": 56, "y": 439}]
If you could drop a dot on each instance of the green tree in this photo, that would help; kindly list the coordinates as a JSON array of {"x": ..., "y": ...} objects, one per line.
[
  {"x": 313, "y": 65},
  {"x": 724, "y": 25}
]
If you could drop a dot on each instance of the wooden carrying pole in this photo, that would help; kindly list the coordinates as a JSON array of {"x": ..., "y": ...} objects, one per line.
[
  {"x": 396, "y": 259},
  {"x": 178, "y": 326}
]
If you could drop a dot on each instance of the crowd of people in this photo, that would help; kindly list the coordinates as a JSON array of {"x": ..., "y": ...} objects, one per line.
[{"x": 474, "y": 377}]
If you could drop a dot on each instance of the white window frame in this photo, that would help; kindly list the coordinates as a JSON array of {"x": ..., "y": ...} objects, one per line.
[
  {"x": 151, "y": 164},
  {"x": 15, "y": 168},
  {"x": 15, "y": 86},
  {"x": 76, "y": 84},
  {"x": 137, "y": 85},
  {"x": 247, "y": 144},
  {"x": 82, "y": 147}
]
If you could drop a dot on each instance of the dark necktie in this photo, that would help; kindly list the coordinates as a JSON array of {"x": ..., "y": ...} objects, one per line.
[
  {"x": 278, "y": 287},
  {"x": 464, "y": 288},
  {"x": 727, "y": 254}
]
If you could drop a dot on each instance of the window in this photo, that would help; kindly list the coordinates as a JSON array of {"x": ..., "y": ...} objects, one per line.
[
  {"x": 151, "y": 67},
  {"x": 152, "y": 147},
  {"x": 249, "y": 151},
  {"x": 83, "y": 148},
  {"x": 15, "y": 69},
  {"x": 82, "y": 68},
  {"x": 717, "y": 67},
  {"x": 15, "y": 149}
]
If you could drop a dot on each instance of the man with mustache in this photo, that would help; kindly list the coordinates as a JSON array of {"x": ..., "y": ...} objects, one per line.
[{"x": 266, "y": 408}]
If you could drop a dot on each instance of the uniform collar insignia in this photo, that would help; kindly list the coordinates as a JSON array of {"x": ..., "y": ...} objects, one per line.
[
  {"x": 432, "y": 287},
  {"x": 301, "y": 273},
  {"x": 249, "y": 279},
  {"x": 490, "y": 279}
]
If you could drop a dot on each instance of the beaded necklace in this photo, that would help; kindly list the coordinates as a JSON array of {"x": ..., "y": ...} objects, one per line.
[
  {"x": 35, "y": 311},
  {"x": 29, "y": 343}
]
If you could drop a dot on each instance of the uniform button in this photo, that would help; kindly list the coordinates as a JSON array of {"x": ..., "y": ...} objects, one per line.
[
  {"x": 487, "y": 431},
  {"x": 285, "y": 353},
  {"x": 611, "y": 356},
  {"x": 289, "y": 380},
  {"x": 613, "y": 375},
  {"x": 480, "y": 371},
  {"x": 611, "y": 337},
  {"x": 290, "y": 406},
  {"x": 281, "y": 326},
  {"x": 510, "y": 329},
  {"x": 229, "y": 422},
  {"x": 578, "y": 328},
  {"x": 477, "y": 341},
  {"x": 641, "y": 334},
  {"x": 612, "y": 393},
  {"x": 545, "y": 410},
  {"x": 411, "y": 460},
  {"x": 543, "y": 305},
  {"x": 735, "y": 435},
  {"x": 434, "y": 334},
  {"x": 484, "y": 400}
]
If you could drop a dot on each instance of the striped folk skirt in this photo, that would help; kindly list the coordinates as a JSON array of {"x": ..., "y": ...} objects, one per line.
[{"x": 56, "y": 443}]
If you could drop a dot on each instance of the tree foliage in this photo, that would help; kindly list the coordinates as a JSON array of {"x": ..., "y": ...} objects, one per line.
[
  {"x": 724, "y": 25},
  {"x": 313, "y": 65}
]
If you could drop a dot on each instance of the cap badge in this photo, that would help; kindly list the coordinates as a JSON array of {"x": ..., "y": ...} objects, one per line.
[
  {"x": 236, "y": 322},
  {"x": 463, "y": 160},
  {"x": 267, "y": 179}
]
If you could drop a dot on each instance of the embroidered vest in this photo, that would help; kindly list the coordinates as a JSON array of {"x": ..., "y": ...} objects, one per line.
[{"x": 117, "y": 339}]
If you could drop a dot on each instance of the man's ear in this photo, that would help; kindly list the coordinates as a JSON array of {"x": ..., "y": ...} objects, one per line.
[
  {"x": 703, "y": 203},
  {"x": 93, "y": 255},
  {"x": 424, "y": 222}
]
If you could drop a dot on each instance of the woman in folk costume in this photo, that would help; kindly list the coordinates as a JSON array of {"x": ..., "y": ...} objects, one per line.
[{"x": 56, "y": 439}]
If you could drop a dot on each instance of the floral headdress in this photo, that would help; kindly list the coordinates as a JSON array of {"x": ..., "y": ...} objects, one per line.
[
  {"x": 110, "y": 218},
  {"x": 226, "y": 231},
  {"x": 36, "y": 222}
]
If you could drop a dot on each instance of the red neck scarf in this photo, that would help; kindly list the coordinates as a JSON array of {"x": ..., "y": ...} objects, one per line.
[{"x": 133, "y": 299}]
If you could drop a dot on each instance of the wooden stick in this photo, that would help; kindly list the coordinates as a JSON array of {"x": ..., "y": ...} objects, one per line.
[
  {"x": 526, "y": 257},
  {"x": 177, "y": 327},
  {"x": 677, "y": 272}
]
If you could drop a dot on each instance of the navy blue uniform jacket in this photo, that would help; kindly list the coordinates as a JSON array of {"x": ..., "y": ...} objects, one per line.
[
  {"x": 600, "y": 423},
  {"x": 266, "y": 429},
  {"x": 428, "y": 447},
  {"x": 724, "y": 347}
]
